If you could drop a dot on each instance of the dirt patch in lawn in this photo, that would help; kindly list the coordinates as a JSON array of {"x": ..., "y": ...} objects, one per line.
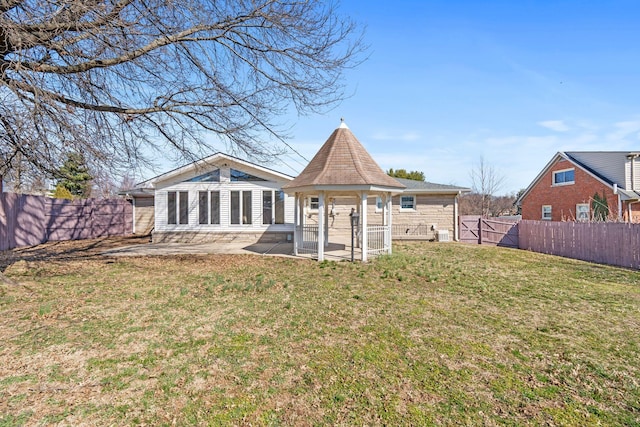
[{"x": 68, "y": 250}]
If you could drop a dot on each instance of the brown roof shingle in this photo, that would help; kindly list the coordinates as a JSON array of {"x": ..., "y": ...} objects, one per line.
[{"x": 343, "y": 161}]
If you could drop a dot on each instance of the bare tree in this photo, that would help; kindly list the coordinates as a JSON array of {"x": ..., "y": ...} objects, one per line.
[
  {"x": 486, "y": 182},
  {"x": 113, "y": 78}
]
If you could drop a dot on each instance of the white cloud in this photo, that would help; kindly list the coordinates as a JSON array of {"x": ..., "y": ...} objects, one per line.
[
  {"x": 555, "y": 125},
  {"x": 625, "y": 129}
]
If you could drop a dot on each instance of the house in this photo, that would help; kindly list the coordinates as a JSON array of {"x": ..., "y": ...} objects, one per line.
[
  {"x": 218, "y": 198},
  {"x": 223, "y": 198},
  {"x": 564, "y": 190}
]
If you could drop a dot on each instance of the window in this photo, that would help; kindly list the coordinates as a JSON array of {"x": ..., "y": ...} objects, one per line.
[
  {"x": 209, "y": 207},
  {"x": 184, "y": 207},
  {"x": 378, "y": 204},
  {"x": 213, "y": 176},
  {"x": 314, "y": 203},
  {"x": 564, "y": 177},
  {"x": 546, "y": 212},
  {"x": 246, "y": 207},
  {"x": 171, "y": 207},
  {"x": 178, "y": 207},
  {"x": 215, "y": 207},
  {"x": 267, "y": 206},
  {"x": 407, "y": 202},
  {"x": 241, "y": 207},
  {"x": 238, "y": 176},
  {"x": 235, "y": 207},
  {"x": 203, "y": 207},
  {"x": 582, "y": 212},
  {"x": 272, "y": 207}
]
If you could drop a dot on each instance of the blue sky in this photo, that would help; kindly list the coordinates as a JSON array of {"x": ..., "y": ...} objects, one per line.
[{"x": 513, "y": 81}]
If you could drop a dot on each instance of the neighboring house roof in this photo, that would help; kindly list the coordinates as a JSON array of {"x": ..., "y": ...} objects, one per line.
[
  {"x": 211, "y": 161},
  {"x": 608, "y": 167},
  {"x": 342, "y": 162},
  {"x": 413, "y": 186}
]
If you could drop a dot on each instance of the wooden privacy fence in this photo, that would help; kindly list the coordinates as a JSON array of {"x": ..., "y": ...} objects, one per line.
[
  {"x": 602, "y": 242},
  {"x": 488, "y": 231},
  {"x": 32, "y": 220}
]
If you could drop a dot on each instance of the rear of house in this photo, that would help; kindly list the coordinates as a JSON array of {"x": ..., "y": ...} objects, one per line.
[{"x": 223, "y": 198}]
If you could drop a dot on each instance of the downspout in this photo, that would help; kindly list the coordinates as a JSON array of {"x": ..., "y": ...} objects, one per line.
[
  {"x": 455, "y": 217},
  {"x": 616, "y": 193},
  {"x": 133, "y": 213},
  {"x": 632, "y": 157}
]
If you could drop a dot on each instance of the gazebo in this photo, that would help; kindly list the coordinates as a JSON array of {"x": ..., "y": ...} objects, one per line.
[{"x": 342, "y": 168}]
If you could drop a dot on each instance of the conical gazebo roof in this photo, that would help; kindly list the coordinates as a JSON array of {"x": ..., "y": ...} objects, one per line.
[{"x": 343, "y": 163}]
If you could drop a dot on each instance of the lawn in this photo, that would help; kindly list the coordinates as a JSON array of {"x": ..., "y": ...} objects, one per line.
[{"x": 436, "y": 334}]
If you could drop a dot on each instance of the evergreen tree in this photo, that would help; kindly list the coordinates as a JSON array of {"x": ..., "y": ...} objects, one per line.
[
  {"x": 600, "y": 207},
  {"x": 402, "y": 173},
  {"x": 75, "y": 177}
]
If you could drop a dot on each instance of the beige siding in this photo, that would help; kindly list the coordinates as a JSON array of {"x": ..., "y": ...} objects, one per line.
[
  {"x": 144, "y": 215},
  {"x": 430, "y": 209},
  {"x": 437, "y": 210}
]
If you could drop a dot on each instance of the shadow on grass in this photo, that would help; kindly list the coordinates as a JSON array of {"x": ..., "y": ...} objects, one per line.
[{"x": 68, "y": 250}]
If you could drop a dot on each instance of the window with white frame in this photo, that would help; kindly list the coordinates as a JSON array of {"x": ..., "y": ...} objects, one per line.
[
  {"x": 546, "y": 212},
  {"x": 241, "y": 207},
  {"x": 314, "y": 203},
  {"x": 177, "y": 207},
  {"x": 272, "y": 207},
  {"x": 407, "y": 202},
  {"x": 582, "y": 212},
  {"x": 209, "y": 207},
  {"x": 564, "y": 177}
]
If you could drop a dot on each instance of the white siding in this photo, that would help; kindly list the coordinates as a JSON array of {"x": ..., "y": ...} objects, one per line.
[
  {"x": 225, "y": 187},
  {"x": 612, "y": 165},
  {"x": 635, "y": 175}
]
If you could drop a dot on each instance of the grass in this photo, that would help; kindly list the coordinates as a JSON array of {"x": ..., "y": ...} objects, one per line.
[{"x": 436, "y": 334}]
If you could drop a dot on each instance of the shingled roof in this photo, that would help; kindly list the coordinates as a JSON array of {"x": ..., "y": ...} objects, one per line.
[{"x": 343, "y": 162}]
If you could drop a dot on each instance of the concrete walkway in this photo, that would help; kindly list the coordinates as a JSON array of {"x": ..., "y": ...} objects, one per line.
[
  {"x": 282, "y": 249},
  {"x": 335, "y": 251}
]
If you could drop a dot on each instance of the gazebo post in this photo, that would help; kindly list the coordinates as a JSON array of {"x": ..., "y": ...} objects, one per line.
[
  {"x": 363, "y": 221},
  {"x": 359, "y": 231},
  {"x": 389, "y": 205},
  {"x": 321, "y": 221},
  {"x": 326, "y": 224},
  {"x": 296, "y": 219}
]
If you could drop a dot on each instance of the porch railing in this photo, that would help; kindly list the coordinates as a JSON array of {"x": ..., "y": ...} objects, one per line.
[
  {"x": 307, "y": 239},
  {"x": 378, "y": 239}
]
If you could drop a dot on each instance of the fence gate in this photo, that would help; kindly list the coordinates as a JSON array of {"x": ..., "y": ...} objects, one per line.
[
  {"x": 470, "y": 229},
  {"x": 489, "y": 231},
  {"x": 499, "y": 232}
]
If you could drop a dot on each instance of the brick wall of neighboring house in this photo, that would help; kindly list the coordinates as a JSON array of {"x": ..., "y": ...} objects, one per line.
[
  {"x": 564, "y": 198},
  {"x": 635, "y": 212}
]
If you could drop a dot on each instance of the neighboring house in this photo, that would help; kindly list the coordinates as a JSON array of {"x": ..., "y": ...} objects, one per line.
[
  {"x": 226, "y": 198},
  {"x": 564, "y": 190}
]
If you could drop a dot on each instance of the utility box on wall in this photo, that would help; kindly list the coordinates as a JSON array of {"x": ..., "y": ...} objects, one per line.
[{"x": 442, "y": 235}]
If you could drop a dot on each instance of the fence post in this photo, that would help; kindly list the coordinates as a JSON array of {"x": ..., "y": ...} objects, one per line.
[{"x": 480, "y": 230}]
